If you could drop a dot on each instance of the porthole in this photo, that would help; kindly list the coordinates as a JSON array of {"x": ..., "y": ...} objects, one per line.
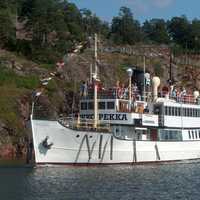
[{"x": 77, "y": 136}]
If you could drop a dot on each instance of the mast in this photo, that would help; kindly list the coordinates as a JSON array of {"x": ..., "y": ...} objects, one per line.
[
  {"x": 144, "y": 69},
  {"x": 170, "y": 68},
  {"x": 95, "y": 85},
  {"x": 95, "y": 53}
]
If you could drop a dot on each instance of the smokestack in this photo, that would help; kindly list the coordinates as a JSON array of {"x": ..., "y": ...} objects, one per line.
[
  {"x": 156, "y": 83},
  {"x": 196, "y": 94}
]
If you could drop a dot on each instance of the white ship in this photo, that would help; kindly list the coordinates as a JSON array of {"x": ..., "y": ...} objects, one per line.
[{"x": 114, "y": 128}]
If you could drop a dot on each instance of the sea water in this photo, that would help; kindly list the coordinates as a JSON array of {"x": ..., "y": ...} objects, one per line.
[{"x": 169, "y": 181}]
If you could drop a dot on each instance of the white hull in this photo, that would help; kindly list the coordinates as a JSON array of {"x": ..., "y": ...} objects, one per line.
[{"x": 91, "y": 147}]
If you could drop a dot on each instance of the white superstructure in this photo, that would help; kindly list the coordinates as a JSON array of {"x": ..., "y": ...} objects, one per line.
[{"x": 161, "y": 130}]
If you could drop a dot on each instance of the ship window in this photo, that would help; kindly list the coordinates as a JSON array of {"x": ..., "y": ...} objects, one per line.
[
  {"x": 188, "y": 112},
  {"x": 199, "y": 133},
  {"x": 196, "y": 113},
  {"x": 84, "y": 106},
  {"x": 170, "y": 113},
  {"x": 196, "y": 134},
  {"x": 110, "y": 105},
  {"x": 184, "y": 112},
  {"x": 90, "y": 105},
  {"x": 189, "y": 135},
  {"x": 179, "y": 112},
  {"x": 192, "y": 134},
  {"x": 123, "y": 132},
  {"x": 172, "y": 135},
  {"x": 166, "y": 110},
  {"x": 173, "y": 111},
  {"x": 102, "y": 105},
  {"x": 157, "y": 109},
  {"x": 191, "y": 112}
]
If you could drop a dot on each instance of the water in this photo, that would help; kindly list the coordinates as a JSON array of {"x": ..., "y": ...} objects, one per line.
[{"x": 168, "y": 181}]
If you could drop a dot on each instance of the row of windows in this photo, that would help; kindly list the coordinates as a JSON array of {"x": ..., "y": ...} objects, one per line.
[
  {"x": 101, "y": 105},
  {"x": 178, "y": 111},
  {"x": 129, "y": 133},
  {"x": 173, "y": 135},
  {"x": 194, "y": 134}
]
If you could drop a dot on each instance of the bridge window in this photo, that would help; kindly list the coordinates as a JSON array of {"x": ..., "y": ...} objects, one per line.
[
  {"x": 90, "y": 105},
  {"x": 110, "y": 105},
  {"x": 84, "y": 106},
  {"x": 102, "y": 105}
]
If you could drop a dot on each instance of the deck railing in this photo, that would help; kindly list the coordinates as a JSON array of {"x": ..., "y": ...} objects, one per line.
[{"x": 81, "y": 124}]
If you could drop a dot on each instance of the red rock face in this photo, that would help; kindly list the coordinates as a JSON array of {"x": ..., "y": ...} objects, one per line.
[{"x": 7, "y": 152}]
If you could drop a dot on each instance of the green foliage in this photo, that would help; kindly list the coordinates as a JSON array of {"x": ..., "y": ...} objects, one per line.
[
  {"x": 8, "y": 77},
  {"x": 124, "y": 29},
  {"x": 49, "y": 67},
  {"x": 56, "y": 26},
  {"x": 52, "y": 86},
  {"x": 156, "y": 30},
  {"x": 7, "y": 28},
  {"x": 9, "y": 109},
  {"x": 179, "y": 29}
]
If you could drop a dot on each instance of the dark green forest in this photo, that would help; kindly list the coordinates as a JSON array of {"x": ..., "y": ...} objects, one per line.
[{"x": 56, "y": 26}]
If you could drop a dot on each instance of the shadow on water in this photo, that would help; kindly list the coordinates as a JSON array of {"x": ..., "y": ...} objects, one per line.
[{"x": 149, "y": 182}]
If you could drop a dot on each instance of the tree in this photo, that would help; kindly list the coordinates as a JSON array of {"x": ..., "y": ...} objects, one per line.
[
  {"x": 124, "y": 29},
  {"x": 179, "y": 29},
  {"x": 156, "y": 30},
  {"x": 195, "y": 34},
  {"x": 93, "y": 24},
  {"x": 7, "y": 24}
]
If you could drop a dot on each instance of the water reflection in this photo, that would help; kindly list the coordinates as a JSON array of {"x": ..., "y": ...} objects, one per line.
[{"x": 169, "y": 181}]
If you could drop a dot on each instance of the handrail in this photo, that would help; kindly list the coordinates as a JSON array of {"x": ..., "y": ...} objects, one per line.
[{"x": 82, "y": 124}]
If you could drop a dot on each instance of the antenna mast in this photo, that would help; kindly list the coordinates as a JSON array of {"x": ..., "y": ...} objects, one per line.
[
  {"x": 95, "y": 54},
  {"x": 95, "y": 85}
]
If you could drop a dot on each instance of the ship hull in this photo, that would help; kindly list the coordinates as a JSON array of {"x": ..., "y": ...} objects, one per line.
[{"x": 66, "y": 146}]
